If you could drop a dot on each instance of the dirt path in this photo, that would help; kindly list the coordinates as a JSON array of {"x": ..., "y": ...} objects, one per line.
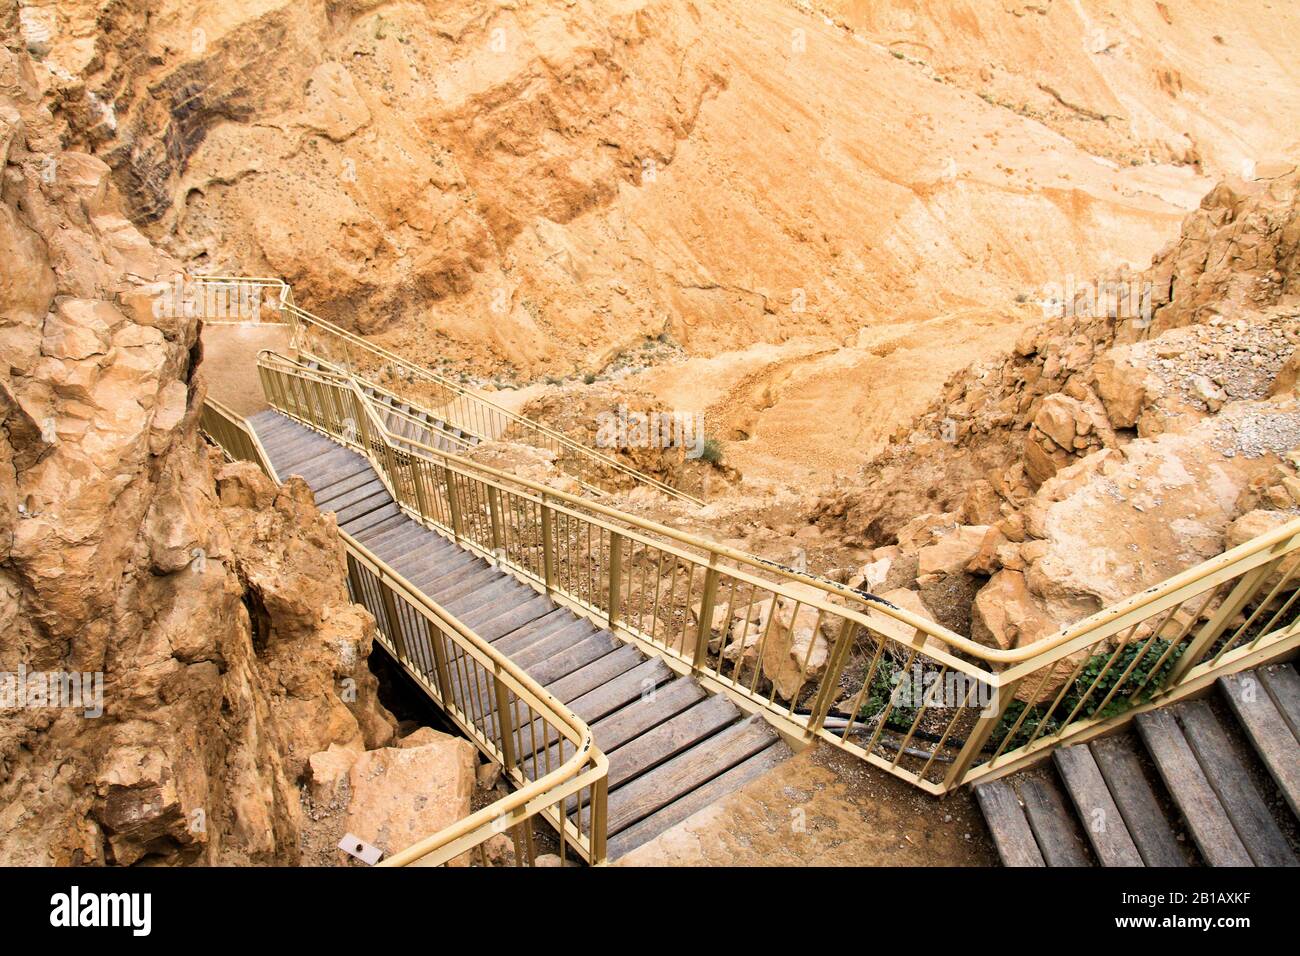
[
  {"x": 230, "y": 362},
  {"x": 826, "y": 808}
]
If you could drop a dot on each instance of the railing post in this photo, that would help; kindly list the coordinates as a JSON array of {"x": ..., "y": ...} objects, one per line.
[
  {"x": 416, "y": 465},
  {"x": 705, "y": 629},
  {"x": 980, "y": 734},
  {"x": 504, "y": 724},
  {"x": 1232, "y": 605},
  {"x": 394, "y": 622},
  {"x": 494, "y": 508},
  {"x": 548, "y": 545},
  {"x": 440, "y": 664},
  {"x": 453, "y": 503},
  {"x": 598, "y": 811},
  {"x": 830, "y": 679},
  {"x": 615, "y": 576}
]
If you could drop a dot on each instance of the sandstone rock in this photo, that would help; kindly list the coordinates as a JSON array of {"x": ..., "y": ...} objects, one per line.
[
  {"x": 1121, "y": 386},
  {"x": 327, "y": 775},
  {"x": 887, "y": 624},
  {"x": 400, "y": 796},
  {"x": 953, "y": 551},
  {"x": 795, "y": 652},
  {"x": 1255, "y": 523},
  {"x": 1006, "y": 615}
]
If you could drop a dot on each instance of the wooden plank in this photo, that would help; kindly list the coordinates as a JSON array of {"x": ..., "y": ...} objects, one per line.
[
  {"x": 447, "y": 572},
  {"x": 357, "y": 525},
  {"x": 1226, "y": 771},
  {"x": 1183, "y": 777},
  {"x": 638, "y": 717},
  {"x": 516, "y": 640},
  {"x": 558, "y": 640},
  {"x": 373, "y": 487},
  {"x": 595, "y": 674},
  {"x": 329, "y": 491},
  {"x": 699, "y": 798},
  {"x": 1101, "y": 819},
  {"x": 1121, "y": 768},
  {"x": 623, "y": 689},
  {"x": 444, "y": 591},
  {"x": 646, "y": 745},
  {"x": 492, "y": 600},
  {"x": 1283, "y": 685},
  {"x": 384, "y": 526},
  {"x": 651, "y": 792},
  {"x": 514, "y": 618},
  {"x": 1053, "y": 824},
  {"x": 396, "y": 532},
  {"x": 572, "y": 658},
  {"x": 1267, "y": 728},
  {"x": 1008, "y": 825},
  {"x": 372, "y": 502},
  {"x": 442, "y": 567}
]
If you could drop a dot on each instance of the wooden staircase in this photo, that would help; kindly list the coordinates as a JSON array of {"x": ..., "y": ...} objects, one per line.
[
  {"x": 673, "y": 748},
  {"x": 1214, "y": 781}
]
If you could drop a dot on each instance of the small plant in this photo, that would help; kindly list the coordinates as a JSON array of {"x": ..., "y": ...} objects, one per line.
[
  {"x": 589, "y": 378},
  {"x": 712, "y": 451},
  {"x": 552, "y": 380}
]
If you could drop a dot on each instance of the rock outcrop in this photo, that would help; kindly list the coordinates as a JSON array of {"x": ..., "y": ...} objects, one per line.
[
  {"x": 202, "y": 610},
  {"x": 1113, "y": 448}
]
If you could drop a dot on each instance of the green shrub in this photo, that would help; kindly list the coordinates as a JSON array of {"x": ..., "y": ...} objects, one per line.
[{"x": 712, "y": 452}]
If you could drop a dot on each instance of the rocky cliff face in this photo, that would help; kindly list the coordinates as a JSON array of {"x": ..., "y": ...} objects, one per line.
[
  {"x": 538, "y": 185},
  {"x": 1122, "y": 441},
  {"x": 206, "y": 606}
]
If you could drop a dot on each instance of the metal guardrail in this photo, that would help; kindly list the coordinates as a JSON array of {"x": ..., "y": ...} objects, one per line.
[
  {"x": 455, "y": 404},
  {"x": 545, "y": 750},
  {"x": 820, "y": 660}
]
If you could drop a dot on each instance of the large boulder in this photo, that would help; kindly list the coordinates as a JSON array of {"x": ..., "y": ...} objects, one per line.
[
  {"x": 401, "y": 795},
  {"x": 951, "y": 553},
  {"x": 796, "y": 650}
]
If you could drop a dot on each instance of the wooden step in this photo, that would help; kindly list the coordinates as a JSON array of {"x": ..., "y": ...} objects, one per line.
[
  {"x": 671, "y": 729},
  {"x": 1211, "y": 830},
  {"x": 702, "y": 796},
  {"x": 598, "y": 672},
  {"x": 1008, "y": 825},
  {"x": 571, "y": 659},
  {"x": 1226, "y": 772},
  {"x": 1055, "y": 828},
  {"x": 513, "y": 619},
  {"x": 1283, "y": 685},
  {"x": 1267, "y": 728},
  {"x": 558, "y": 640},
  {"x": 651, "y": 792},
  {"x": 1103, "y": 824},
  {"x": 534, "y": 631},
  {"x": 355, "y": 526},
  {"x": 1121, "y": 767},
  {"x": 643, "y": 715}
]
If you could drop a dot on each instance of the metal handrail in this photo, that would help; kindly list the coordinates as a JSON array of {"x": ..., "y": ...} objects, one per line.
[
  {"x": 500, "y": 735},
  {"x": 1064, "y": 686},
  {"x": 550, "y": 438}
]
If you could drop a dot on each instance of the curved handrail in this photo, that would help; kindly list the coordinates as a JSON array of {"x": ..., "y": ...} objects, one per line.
[
  {"x": 466, "y": 465},
  {"x": 528, "y": 424},
  {"x": 575, "y": 771},
  {"x": 1059, "y": 697},
  {"x": 587, "y": 767}
]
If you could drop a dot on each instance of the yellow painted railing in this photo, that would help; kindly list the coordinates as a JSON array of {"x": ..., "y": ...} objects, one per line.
[
  {"x": 821, "y": 660},
  {"x": 453, "y": 403},
  {"x": 545, "y": 750}
]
